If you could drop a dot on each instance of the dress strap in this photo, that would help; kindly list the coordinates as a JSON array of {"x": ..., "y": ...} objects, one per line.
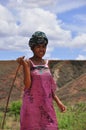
[
  {"x": 31, "y": 63},
  {"x": 46, "y": 63}
]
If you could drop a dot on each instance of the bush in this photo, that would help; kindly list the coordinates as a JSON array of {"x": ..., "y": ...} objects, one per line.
[{"x": 15, "y": 108}]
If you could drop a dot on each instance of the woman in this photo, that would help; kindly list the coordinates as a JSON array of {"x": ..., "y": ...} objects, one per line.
[{"x": 37, "y": 111}]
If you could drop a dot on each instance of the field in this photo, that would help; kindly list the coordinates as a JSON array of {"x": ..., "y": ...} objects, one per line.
[{"x": 73, "y": 119}]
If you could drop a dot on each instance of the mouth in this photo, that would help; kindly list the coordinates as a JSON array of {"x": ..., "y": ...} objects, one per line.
[{"x": 41, "y": 52}]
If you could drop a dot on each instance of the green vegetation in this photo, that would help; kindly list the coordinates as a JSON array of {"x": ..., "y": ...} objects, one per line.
[
  {"x": 15, "y": 108},
  {"x": 73, "y": 119}
]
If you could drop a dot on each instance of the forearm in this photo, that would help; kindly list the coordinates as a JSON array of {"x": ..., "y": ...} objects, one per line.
[
  {"x": 59, "y": 103},
  {"x": 56, "y": 99},
  {"x": 27, "y": 76},
  {"x": 26, "y": 70}
]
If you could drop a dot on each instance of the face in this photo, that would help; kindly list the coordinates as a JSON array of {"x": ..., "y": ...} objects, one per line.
[{"x": 39, "y": 50}]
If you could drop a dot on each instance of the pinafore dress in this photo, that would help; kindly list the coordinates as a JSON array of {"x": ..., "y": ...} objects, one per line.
[{"x": 37, "y": 111}]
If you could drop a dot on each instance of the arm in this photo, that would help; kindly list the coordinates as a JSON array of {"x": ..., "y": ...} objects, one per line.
[
  {"x": 26, "y": 70},
  {"x": 55, "y": 97},
  {"x": 59, "y": 103}
]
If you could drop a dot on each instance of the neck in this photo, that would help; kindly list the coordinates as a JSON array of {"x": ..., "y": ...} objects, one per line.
[{"x": 37, "y": 58}]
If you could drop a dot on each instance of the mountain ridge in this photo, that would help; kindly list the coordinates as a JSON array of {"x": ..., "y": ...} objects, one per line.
[{"x": 67, "y": 74}]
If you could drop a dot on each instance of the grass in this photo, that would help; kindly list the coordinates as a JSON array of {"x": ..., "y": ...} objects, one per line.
[
  {"x": 11, "y": 122},
  {"x": 73, "y": 119}
]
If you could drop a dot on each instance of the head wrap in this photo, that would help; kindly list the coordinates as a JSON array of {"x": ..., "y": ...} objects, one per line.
[{"x": 38, "y": 38}]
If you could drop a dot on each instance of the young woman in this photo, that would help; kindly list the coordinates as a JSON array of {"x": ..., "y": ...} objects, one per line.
[{"x": 37, "y": 111}]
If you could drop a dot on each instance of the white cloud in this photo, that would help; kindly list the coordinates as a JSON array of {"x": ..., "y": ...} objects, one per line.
[
  {"x": 81, "y": 18},
  {"x": 7, "y": 22},
  {"x": 58, "y": 6},
  {"x": 30, "y": 3},
  {"x": 75, "y": 27},
  {"x": 30, "y": 20},
  {"x": 79, "y": 41},
  {"x": 77, "y": 24},
  {"x": 37, "y": 19},
  {"x": 14, "y": 43},
  {"x": 67, "y": 5},
  {"x": 5, "y": 14},
  {"x": 18, "y": 24},
  {"x": 81, "y": 57}
]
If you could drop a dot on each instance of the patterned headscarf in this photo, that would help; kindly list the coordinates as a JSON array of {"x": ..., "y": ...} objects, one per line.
[{"x": 38, "y": 38}]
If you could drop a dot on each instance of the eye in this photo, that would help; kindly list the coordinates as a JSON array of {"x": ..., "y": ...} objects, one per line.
[
  {"x": 38, "y": 46},
  {"x": 44, "y": 46}
]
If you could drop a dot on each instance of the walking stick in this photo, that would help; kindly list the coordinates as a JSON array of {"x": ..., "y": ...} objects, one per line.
[{"x": 9, "y": 96}]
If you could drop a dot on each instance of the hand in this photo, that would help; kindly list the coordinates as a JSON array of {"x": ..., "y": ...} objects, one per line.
[
  {"x": 59, "y": 103},
  {"x": 62, "y": 107},
  {"x": 20, "y": 60}
]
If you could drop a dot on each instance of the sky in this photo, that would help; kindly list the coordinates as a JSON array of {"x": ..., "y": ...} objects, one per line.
[{"x": 63, "y": 21}]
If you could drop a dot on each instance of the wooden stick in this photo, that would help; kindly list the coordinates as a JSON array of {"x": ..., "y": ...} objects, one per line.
[{"x": 9, "y": 97}]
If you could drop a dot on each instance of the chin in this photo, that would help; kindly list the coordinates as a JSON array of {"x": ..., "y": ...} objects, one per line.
[{"x": 41, "y": 55}]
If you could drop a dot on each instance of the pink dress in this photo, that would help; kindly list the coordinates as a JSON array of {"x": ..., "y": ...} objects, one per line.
[{"x": 37, "y": 111}]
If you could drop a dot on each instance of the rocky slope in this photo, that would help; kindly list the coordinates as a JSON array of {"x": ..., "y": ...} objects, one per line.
[
  {"x": 69, "y": 75},
  {"x": 74, "y": 91},
  {"x": 66, "y": 71}
]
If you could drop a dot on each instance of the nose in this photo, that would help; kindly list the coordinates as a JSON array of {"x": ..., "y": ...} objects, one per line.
[{"x": 41, "y": 48}]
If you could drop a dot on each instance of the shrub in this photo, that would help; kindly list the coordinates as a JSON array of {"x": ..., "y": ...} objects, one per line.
[{"x": 15, "y": 108}]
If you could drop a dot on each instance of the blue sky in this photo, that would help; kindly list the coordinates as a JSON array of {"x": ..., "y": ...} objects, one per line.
[{"x": 63, "y": 21}]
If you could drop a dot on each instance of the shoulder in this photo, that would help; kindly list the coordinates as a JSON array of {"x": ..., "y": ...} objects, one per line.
[{"x": 47, "y": 62}]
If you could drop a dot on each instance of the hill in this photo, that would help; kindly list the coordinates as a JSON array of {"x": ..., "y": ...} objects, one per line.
[
  {"x": 66, "y": 71},
  {"x": 69, "y": 75},
  {"x": 7, "y": 74},
  {"x": 74, "y": 91}
]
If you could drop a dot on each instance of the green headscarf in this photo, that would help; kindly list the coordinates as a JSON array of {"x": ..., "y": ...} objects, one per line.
[{"x": 38, "y": 38}]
